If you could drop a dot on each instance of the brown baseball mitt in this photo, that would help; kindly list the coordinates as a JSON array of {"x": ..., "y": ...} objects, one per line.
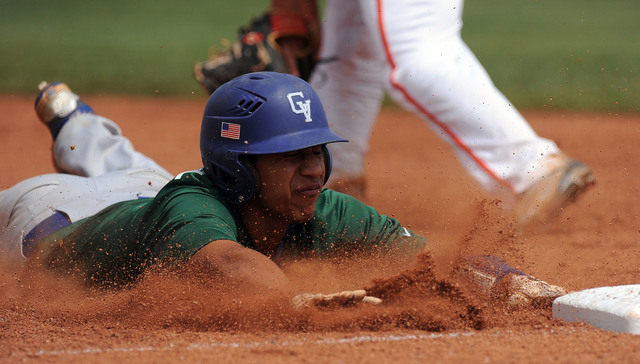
[{"x": 257, "y": 49}]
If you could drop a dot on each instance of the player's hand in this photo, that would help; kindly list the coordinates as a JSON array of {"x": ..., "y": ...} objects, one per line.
[
  {"x": 529, "y": 290},
  {"x": 492, "y": 276},
  {"x": 344, "y": 298}
]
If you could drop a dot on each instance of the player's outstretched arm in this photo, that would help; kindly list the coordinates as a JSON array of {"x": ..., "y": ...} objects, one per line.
[{"x": 228, "y": 262}]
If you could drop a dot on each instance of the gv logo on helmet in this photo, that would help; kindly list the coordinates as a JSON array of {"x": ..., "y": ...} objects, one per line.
[{"x": 300, "y": 105}]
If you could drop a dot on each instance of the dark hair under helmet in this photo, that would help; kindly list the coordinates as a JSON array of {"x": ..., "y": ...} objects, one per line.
[{"x": 259, "y": 113}]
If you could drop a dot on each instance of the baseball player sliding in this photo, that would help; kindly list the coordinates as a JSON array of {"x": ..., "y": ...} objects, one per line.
[
  {"x": 412, "y": 50},
  {"x": 256, "y": 203}
]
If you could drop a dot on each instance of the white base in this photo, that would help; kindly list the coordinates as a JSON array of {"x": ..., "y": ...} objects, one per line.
[{"x": 610, "y": 308}]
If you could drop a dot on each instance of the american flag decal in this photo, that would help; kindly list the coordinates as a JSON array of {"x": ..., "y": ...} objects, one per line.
[{"x": 230, "y": 130}]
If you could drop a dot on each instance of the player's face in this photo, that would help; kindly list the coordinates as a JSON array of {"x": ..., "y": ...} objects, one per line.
[{"x": 290, "y": 183}]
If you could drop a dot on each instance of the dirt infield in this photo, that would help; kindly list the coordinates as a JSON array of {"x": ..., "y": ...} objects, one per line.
[{"x": 411, "y": 174}]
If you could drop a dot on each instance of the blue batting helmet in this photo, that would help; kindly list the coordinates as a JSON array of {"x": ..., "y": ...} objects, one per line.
[{"x": 259, "y": 113}]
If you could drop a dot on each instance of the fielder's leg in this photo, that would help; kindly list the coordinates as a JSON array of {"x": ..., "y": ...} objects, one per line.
[
  {"x": 349, "y": 80},
  {"x": 435, "y": 74}
]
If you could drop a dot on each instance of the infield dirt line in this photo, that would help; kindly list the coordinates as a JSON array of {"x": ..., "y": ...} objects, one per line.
[
  {"x": 244, "y": 345},
  {"x": 270, "y": 343}
]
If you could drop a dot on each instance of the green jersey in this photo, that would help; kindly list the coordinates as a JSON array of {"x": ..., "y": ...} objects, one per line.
[{"x": 117, "y": 244}]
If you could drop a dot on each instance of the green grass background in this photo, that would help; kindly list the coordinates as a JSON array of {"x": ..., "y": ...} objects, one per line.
[{"x": 553, "y": 54}]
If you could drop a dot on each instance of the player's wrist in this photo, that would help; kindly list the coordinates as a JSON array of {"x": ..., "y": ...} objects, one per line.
[{"x": 288, "y": 24}]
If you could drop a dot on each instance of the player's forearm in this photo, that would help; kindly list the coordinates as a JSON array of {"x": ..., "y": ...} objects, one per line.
[
  {"x": 308, "y": 9},
  {"x": 239, "y": 267}
]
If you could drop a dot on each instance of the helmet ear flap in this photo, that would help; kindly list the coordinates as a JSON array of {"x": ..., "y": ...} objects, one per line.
[
  {"x": 238, "y": 187},
  {"x": 328, "y": 162},
  {"x": 248, "y": 163}
]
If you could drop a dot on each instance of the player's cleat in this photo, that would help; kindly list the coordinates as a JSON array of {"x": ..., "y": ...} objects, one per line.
[
  {"x": 541, "y": 202},
  {"x": 56, "y": 103},
  {"x": 492, "y": 276}
]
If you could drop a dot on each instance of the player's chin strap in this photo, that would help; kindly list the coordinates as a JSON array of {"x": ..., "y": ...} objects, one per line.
[{"x": 344, "y": 298}]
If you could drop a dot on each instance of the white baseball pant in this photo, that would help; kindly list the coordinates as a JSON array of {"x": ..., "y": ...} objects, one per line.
[
  {"x": 99, "y": 168},
  {"x": 413, "y": 50}
]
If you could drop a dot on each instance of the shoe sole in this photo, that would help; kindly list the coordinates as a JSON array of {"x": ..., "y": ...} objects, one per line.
[
  {"x": 575, "y": 185},
  {"x": 577, "y": 179}
]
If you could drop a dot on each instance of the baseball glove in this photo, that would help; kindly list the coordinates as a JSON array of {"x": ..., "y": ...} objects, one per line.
[{"x": 257, "y": 49}]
